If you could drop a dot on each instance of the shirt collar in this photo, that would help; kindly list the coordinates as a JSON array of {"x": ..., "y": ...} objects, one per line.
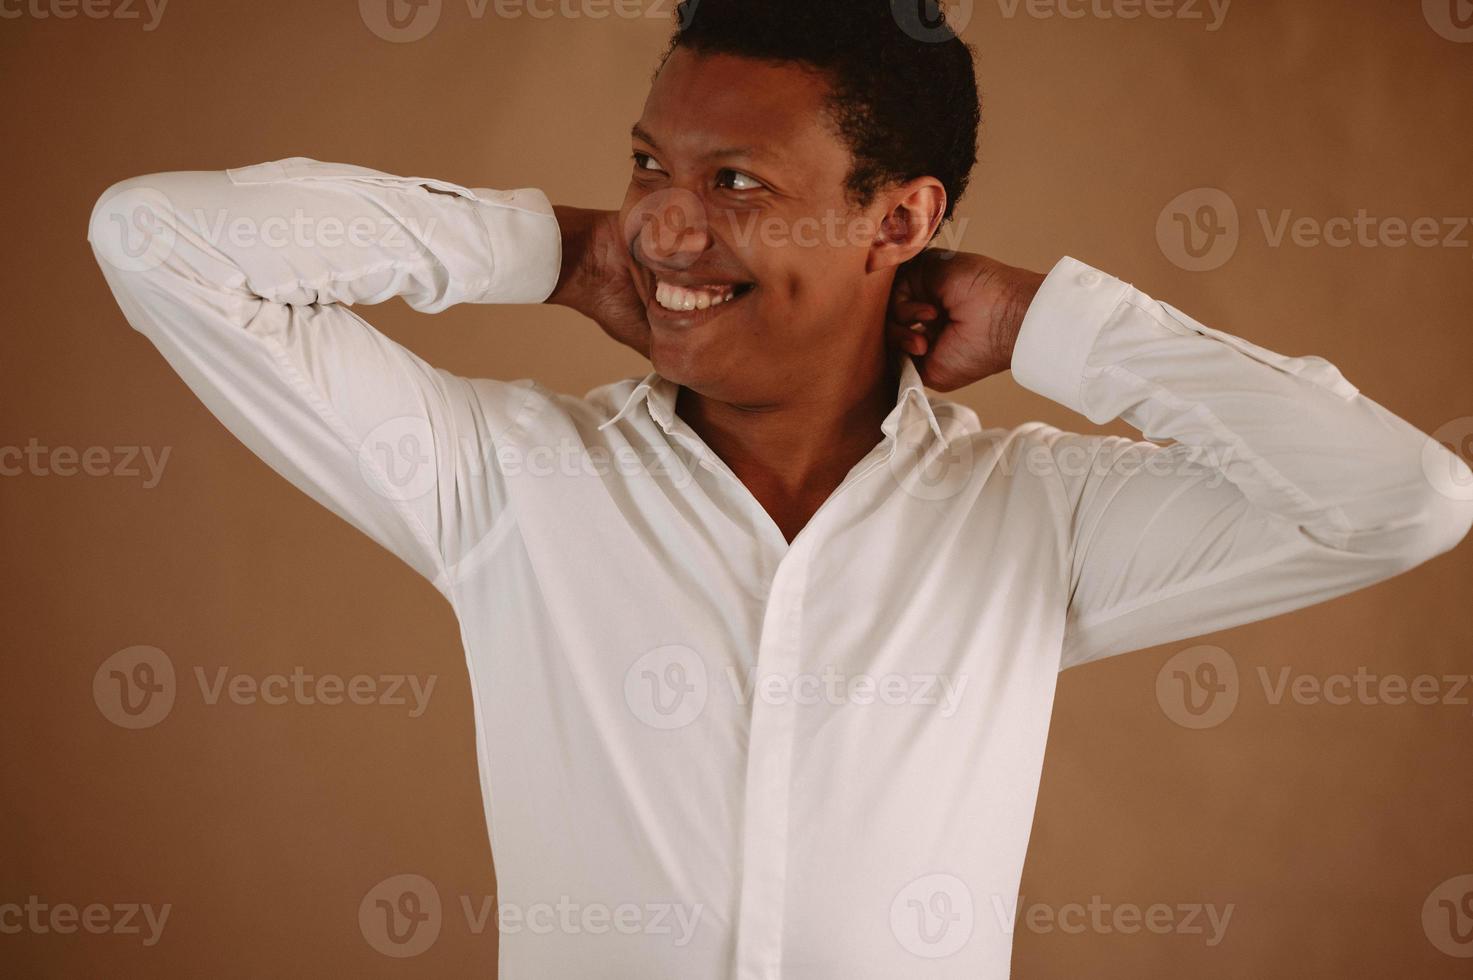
[{"x": 907, "y": 421}]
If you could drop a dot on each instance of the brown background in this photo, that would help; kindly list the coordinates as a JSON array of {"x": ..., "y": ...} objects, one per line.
[{"x": 263, "y": 826}]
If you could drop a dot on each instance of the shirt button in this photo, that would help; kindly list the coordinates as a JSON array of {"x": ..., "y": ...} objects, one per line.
[{"x": 1089, "y": 279}]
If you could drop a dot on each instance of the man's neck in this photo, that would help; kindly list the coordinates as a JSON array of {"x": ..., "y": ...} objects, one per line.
[{"x": 793, "y": 454}]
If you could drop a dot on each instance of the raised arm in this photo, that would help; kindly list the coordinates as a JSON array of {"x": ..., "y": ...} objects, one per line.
[
  {"x": 243, "y": 278},
  {"x": 1281, "y": 484}
]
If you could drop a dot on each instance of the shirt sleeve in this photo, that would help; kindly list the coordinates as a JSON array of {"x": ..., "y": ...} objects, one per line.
[
  {"x": 244, "y": 279},
  {"x": 1279, "y": 484}
]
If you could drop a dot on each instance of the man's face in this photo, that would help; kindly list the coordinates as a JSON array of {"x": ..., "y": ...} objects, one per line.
[{"x": 738, "y": 186}]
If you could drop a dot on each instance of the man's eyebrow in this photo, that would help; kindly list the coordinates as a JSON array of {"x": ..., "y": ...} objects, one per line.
[{"x": 640, "y": 133}]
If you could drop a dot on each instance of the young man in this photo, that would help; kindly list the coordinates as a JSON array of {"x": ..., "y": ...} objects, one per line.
[{"x": 763, "y": 646}]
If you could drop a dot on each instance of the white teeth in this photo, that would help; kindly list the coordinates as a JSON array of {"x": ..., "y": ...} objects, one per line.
[{"x": 681, "y": 299}]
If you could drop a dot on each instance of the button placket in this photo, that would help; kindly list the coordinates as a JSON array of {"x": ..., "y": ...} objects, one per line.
[{"x": 769, "y": 766}]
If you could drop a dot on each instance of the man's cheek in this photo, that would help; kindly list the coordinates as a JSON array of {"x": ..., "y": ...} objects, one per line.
[{"x": 789, "y": 286}]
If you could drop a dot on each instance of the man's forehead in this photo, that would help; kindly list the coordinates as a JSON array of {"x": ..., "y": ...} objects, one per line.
[
  {"x": 704, "y": 104},
  {"x": 705, "y": 143}
]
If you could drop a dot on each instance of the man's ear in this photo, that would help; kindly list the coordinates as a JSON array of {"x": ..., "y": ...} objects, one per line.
[{"x": 913, "y": 213}]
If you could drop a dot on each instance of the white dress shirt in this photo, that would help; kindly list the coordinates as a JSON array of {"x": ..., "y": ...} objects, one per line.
[{"x": 716, "y": 753}]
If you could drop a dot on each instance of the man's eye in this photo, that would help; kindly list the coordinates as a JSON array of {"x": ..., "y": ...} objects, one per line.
[
  {"x": 646, "y": 162},
  {"x": 735, "y": 176}
]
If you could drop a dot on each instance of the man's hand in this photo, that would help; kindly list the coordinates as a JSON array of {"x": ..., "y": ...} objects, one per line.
[
  {"x": 597, "y": 276},
  {"x": 960, "y": 313}
]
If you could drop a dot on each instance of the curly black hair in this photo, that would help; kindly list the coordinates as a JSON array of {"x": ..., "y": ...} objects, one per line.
[{"x": 904, "y": 93}]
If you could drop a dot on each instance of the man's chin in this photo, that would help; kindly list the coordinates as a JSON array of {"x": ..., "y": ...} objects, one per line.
[
  {"x": 689, "y": 365},
  {"x": 719, "y": 376}
]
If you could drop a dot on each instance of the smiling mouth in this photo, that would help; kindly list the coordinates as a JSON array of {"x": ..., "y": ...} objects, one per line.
[{"x": 674, "y": 298}]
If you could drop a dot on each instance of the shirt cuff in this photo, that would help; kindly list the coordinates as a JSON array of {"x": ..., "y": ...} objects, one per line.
[
  {"x": 1060, "y": 329},
  {"x": 526, "y": 245}
]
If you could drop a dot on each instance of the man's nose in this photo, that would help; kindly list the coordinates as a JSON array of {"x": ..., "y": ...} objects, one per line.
[{"x": 669, "y": 229}]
